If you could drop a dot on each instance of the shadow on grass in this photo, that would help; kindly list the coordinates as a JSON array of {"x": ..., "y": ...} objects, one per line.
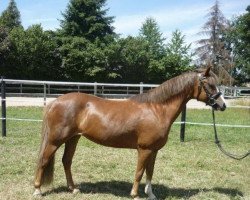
[{"x": 122, "y": 189}]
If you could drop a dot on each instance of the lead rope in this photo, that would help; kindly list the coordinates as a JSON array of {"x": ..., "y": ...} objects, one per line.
[{"x": 217, "y": 141}]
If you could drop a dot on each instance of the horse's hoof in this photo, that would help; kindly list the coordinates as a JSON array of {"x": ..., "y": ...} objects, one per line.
[
  {"x": 135, "y": 197},
  {"x": 152, "y": 197},
  {"x": 37, "y": 193},
  {"x": 75, "y": 191}
]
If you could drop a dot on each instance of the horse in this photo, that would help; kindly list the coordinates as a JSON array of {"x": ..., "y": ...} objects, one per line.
[{"x": 141, "y": 122}]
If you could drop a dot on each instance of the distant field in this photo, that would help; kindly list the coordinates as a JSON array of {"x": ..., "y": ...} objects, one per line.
[{"x": 195, "y": 169}]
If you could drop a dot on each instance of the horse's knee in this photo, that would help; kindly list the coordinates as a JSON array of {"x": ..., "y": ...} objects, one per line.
[{"x": 44, "y": 162}]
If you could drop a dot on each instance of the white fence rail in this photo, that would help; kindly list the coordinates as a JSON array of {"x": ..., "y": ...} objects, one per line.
[{"x": 56, "y": 88}]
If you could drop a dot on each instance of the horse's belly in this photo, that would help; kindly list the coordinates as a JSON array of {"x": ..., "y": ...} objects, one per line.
[{"x": 112, "y": 139}]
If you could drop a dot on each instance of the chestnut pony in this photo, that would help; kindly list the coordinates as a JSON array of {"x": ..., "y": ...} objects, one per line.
[{"x": 141, "y": 122}]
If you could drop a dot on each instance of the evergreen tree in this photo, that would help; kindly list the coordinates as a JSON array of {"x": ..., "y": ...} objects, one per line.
[
  {"x": 151, "y": 33},
  {"x": 178, "y": 54},
  {"x": 212, "y": 50},
  {"x": 86, "y": 18},
  {"x": 10, "y": 17},
  {"x": 176, "y": 60}
]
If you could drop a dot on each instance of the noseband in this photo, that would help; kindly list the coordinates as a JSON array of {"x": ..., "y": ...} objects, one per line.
[{"x": 211, "y": 97}]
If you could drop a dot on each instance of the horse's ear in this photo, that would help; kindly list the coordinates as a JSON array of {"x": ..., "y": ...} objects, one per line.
[{"x": 207, "y": 71}]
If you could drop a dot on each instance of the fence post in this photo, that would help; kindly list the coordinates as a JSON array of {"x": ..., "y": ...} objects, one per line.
[
  {"x": 44, "y": 94},
  {"x": 3, "y": 103},
  {"x": 103, "y": 89},
  {"x": 235, "y": 91},
  {"x": 141, "y": 87},
  {"x": 48, "y": 89},
  {"x": 95, "y": 88},
  {"x": 21, "y": 88},
  {"x": 223, "y": 90},
  {"x": 183, "y": 124}
]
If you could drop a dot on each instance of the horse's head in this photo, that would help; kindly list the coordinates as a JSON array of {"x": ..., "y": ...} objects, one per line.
[{"x": 207, "y": 90}]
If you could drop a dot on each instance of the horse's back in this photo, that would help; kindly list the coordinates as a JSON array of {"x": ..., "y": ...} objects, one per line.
[{"x": 78, "y": 97}]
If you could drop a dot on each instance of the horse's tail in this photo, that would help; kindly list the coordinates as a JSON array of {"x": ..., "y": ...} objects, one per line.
[{"x": 48, "y": 173}]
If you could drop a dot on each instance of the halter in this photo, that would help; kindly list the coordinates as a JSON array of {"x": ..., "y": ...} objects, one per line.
[{"x": 211, "y": 97}]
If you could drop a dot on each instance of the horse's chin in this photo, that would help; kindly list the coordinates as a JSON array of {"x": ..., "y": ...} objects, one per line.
[{"x": 218, "y": 107}]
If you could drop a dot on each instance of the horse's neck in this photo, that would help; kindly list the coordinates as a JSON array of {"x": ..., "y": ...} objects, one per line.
[
  {"x": 174, "y": 105},
  {"x": 173, "y": 108}
]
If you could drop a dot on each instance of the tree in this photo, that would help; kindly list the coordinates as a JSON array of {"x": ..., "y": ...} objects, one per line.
[
  {"x": 112, "y": 51},
  {"x": 85, "y": 34},
  {"x": 164, "y": 60},
  {"x": 239, "y": 38},
  {"x": 178, "y": 54},
  {"x": 4, "y": 42},
  {"x": 133, "y": 60},
  {"x": 90, "y": 61},
  {"x": 82, "y": 60},
  {"x": 10, "y": 17},
  {"x": 33, "y": 55},
  {"x": 86, "y": 18},
  {"x": 151, "y": 33},
  {"x": 176, "y": 60},
  {"x": 212, "y": 50}
]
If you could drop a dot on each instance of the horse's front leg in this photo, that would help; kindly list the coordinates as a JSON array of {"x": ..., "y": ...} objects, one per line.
[
  {"x": 149, "y": 173},
  {"x": 144, "y": 157}
]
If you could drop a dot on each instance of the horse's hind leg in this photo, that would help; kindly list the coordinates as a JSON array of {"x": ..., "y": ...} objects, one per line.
[
  {"x": 44, "y": 172},
  {"x": 70, "y": 147}
]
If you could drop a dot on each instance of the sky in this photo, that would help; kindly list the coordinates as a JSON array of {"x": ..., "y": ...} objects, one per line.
[{"x": 188, "y": 16}]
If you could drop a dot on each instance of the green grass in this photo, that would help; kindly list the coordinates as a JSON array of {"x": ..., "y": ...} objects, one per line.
[{"x": 195, "y": 169}]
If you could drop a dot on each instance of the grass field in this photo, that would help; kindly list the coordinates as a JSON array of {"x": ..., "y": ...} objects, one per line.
[{"x": 195, "y": 169}]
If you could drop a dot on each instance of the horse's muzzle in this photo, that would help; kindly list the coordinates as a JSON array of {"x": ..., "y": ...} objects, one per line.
[
  {"x": 221, "y": 107},
  {"x": 215, "y": 103}
]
